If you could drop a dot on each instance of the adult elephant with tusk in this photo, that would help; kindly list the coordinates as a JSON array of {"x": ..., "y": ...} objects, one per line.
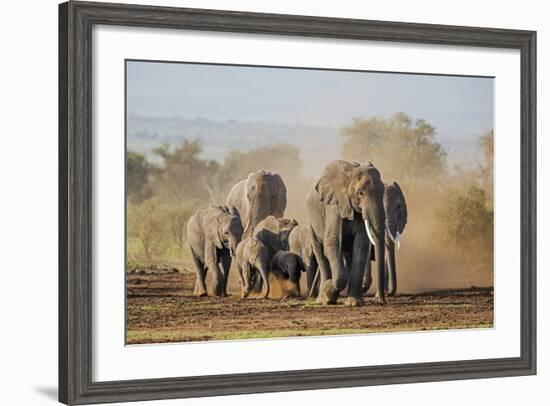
[
  {"x": 260, "y": 195},
  {"x": 395, "y": 207},
  {"x": 346, "y": 211}
]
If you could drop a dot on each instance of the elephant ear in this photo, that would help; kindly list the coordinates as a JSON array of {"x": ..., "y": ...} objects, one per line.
[
  {"x": 332, "y": 187},
  {"x": 212, "y": 225},
  {"x": 278, "y": 202},
  {"x": 403, "y": 222}
]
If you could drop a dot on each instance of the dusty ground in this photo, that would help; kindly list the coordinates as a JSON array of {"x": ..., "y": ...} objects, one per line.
[{"x": 161, "y": 308}]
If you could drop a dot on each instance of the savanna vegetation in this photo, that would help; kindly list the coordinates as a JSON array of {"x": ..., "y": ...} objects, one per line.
[{"x": 448, "y": 240}]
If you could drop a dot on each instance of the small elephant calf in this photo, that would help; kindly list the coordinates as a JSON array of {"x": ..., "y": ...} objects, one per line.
[
  {"x": 252, "y": 256},
  {"x": 288, "y": 265},
  {"x": 213, "y": 235}
]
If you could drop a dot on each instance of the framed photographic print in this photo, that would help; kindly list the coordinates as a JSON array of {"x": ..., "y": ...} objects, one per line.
[{"x": 258, "y": 202}]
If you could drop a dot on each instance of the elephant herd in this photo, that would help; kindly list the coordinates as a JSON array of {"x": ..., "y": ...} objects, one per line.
[{"x": 353, "y": 220}]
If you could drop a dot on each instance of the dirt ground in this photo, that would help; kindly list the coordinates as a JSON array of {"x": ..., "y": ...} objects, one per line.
[{"x": 161, "y": 308}]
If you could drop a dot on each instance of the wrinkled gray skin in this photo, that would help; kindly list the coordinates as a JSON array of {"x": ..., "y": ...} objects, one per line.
[
  {"x": 274, "y": 234},
  {"x": 337, "y": 206},
  {"x": 252, "y": 257},
  {"x": 213, "y": 235},
  {"x": 396, "y": 220},
  {"x": 256, "y": 197},
  {"x": 302, "y": 242},
  {"x": 288, "y": 265}
]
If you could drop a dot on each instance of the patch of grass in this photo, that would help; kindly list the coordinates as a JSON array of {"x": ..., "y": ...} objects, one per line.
[{"x": 169, "y": 335}]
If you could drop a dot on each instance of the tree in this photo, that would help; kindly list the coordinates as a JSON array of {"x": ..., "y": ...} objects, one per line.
[
  {"x": 399, "y": 148},
  {"x": 466, "y": 220},
  {"x": 145, "y": 223},
  {"x": 138, "y": 171},
  {"x": 182, "y": 174}
]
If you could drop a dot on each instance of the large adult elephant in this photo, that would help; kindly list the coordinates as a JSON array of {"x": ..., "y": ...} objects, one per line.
[
  {"x": 261, "y": 194},
  {"x": 213, "y": 235},
  {"x": 346, "y": 211},
  {"x": 395, "y": 207}
]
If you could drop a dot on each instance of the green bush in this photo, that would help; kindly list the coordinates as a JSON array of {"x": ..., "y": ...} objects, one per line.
[
  {"x": 156, "y": 229},
  {"x": 465, "y": 223}
]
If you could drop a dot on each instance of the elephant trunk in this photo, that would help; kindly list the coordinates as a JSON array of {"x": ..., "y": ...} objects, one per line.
[
  {"x": 232, "y": 246},
  {"x": 258, "y": 211},
  {"x": 375, "y": 223}
]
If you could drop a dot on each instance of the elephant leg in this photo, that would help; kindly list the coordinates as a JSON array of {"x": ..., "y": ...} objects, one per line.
[
  {"x": 261, "y": 269},
  {"x": 200, "y": 283},
  {"x": 330, "y": 289},
  {"x": 386, "y": 276},
  {"x": 320, "y": 258},
  {"x": 241, "y": 279},
  {"x": 347, "y": 261},
  {"x": 310, "y": 273},
  {"x": 357, "y": 271},
  {"x": 391, "y": 270},
  {"x": 314, "y": 290},
  {"x": 225, "y": 263},
  {"x": 258, "y": 283},
  {"x": 245, "y": 272},
  {"x": 367, "y": 281}
]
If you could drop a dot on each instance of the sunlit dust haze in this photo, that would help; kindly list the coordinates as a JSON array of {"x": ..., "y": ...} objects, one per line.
[{"x": 194, "y": 130}]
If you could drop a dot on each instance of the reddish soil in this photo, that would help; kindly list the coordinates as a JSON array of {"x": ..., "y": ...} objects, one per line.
[{"x": 161, "y": 308}]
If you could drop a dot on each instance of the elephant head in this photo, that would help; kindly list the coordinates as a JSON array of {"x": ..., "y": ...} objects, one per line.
[
  {"x": 357, "y": 191},
  {"x": 227, "y": 230},
  {"x": 356, "y": 188},
  {"x": 266, "y": 195},
  {"x": 396, "y": 220}
]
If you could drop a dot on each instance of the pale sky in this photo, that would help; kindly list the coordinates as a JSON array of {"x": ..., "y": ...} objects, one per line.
[{"x": 459, "y": 107}]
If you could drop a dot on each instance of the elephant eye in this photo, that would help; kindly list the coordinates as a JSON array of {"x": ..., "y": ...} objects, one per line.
[{"x": 361, "y": 193}]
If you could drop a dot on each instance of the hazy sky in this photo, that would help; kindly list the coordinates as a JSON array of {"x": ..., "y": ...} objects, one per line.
[{"x": 459, "y": 107}]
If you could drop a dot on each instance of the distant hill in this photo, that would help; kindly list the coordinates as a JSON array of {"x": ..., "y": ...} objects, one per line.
[
  {"x": 219, "y": 137},
  {"x": 317, "y": 145}
]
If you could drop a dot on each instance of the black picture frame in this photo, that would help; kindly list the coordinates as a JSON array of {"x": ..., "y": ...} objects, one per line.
[{"x": 76, "y": 20}]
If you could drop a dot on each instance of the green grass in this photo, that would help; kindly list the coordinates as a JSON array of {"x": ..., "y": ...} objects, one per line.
[{"x": 163, "y": 336}]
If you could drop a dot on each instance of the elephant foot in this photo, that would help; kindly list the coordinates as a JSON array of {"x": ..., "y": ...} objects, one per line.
[
  {"x": 201, "y": 293},
  {"x": 380, "y": 300},
  {"x": 244, "y": 295},
  {"x": 328, "y": 295},
  {"x": 354, "y": 301},
  {"x": 218, "y": 291}
]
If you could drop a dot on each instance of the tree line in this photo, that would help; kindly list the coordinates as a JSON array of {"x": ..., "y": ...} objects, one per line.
[{"x": 455, "y": 203}]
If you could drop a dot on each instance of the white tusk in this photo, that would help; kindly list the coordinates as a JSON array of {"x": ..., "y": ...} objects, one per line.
[
  {"x": 390, "y": 234},
  {"x": 398, "y": 240},
  {"x": 369, "y": 232}
]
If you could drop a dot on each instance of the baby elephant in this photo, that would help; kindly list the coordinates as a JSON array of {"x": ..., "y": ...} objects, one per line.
[
  {"x": 213, "y": 235},
  {"x": 252, "y": 257},
  {"x": 288, "y": 265}
]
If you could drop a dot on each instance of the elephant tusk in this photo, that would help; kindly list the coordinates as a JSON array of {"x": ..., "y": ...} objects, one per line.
[
  {"x": 390, "y": 234},
  {"x": 231, "y": 252},
  {"x": 398, "y": 240},
  {"x": 369, "y": 232}
]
